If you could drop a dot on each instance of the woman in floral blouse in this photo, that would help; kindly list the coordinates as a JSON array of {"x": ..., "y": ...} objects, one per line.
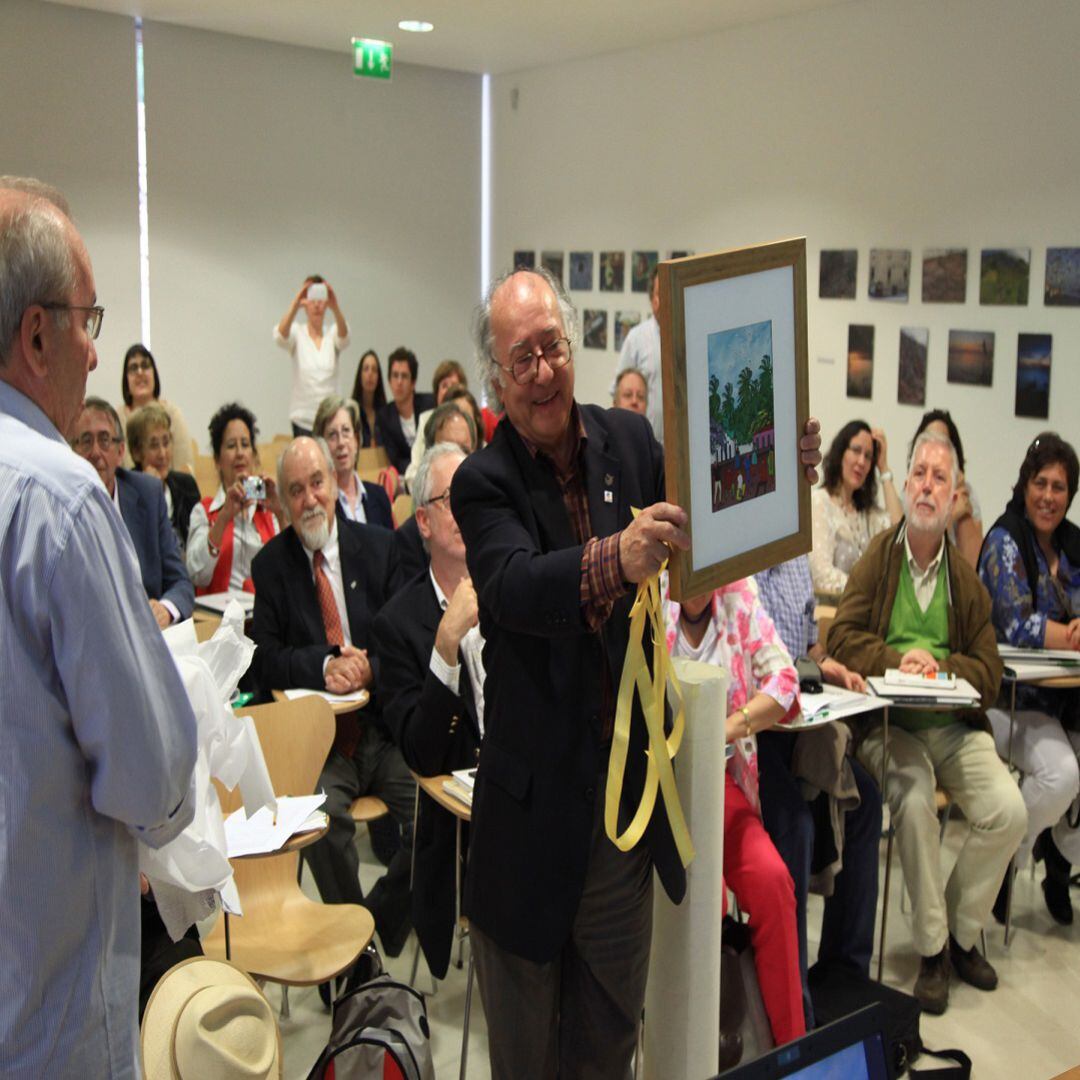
[
  {"x": 1030, "y": 564},
  {"x": 731, "y": 629}
]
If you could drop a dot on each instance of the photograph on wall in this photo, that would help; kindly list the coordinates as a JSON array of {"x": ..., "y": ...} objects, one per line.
[
  {"x": 741, "y": 414},
  {"x": 524, "y": 260},
  {"x": 971, "y": 357},
  {"x": 625, "y": 321},
  {"x": 914, "y": 342},
  {"x": 836, "y": 274},
  {"x": 1003, "y": 276},
  {"x": 678, "y": 254},
  {"x": 890, "y": 274},
  {"x": 944, "y": 275},
  {"x": 612, "y": 271},
  {"x": 581, "y": 270},
  {"x": 1033, "y": 375},
  {"x": 594, "y": 323},
  {"x": 1062, "y": 277},
  {"x": 552, "y": 262},
  {"x": 642, "y": 264},
  {"x": 736, "y": 390},
  {"x": 860, "y": 360}
]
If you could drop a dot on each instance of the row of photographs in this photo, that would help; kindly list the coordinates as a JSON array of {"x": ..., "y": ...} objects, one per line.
[
  {"x": 611, "y": 264},
  {"x": 1004, "y": 275},
  {"x": 970, "y": 361}
]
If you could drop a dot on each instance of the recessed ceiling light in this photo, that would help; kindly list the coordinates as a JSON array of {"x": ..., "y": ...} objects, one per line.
[{"x": 415, "y": 26}]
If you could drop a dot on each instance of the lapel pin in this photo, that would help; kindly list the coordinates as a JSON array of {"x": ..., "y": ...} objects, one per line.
[{"x": 352, "y": 584}]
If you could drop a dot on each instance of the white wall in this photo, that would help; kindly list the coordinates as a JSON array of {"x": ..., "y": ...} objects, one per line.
[
  {"x": 931, "y": 123},
  {"x": 67, "y": 81},
  {"x": 269, "y": 162}
]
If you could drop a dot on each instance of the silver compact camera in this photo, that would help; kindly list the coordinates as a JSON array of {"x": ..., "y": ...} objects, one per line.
[{"x": 254, "y": 488}]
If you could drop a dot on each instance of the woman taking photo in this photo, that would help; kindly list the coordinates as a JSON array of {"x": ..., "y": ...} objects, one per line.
[
  {"x": 370, "y": 394},
  {"x": 141, "y": 385},
  {"x": 731, "y": 629},
  {"x": 336, "y": 421},
  {"x": 229, "y": 530},
  {"x": 149, "y": 439},
  {"x": 845, "y": 513},
  {"x": 1030, "y": 564}
]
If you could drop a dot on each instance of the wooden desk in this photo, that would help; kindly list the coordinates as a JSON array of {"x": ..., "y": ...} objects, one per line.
[
  {"x": 433, "y": 786},
  {"x": 336, "y": 707}
]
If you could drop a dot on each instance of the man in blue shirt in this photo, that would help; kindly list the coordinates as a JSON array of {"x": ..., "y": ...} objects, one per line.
[{"x": 98, "y": 735}]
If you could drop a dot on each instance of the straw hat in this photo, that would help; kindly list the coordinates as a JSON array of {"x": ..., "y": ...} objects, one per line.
[{"x": 208, "y": 1020}]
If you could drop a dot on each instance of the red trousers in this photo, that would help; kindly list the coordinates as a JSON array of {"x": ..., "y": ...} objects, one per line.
[{"x": 757, "y": 876}]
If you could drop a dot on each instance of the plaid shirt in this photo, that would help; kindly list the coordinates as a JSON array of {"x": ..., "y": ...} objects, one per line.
[
  {"x": 601, "y": 573},
  {"x": 787, "y": 594}
]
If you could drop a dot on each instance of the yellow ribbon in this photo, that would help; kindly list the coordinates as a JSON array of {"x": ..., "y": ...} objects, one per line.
[{"x": 652, "y": 688}]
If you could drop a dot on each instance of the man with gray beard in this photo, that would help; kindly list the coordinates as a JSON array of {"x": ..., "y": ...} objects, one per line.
[{"x": 318, "y": 586}]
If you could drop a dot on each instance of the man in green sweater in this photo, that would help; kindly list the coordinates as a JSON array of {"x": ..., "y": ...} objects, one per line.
[{"x": 913, "y": 603}]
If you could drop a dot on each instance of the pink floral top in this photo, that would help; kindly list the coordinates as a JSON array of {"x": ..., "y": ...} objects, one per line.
[{"x": 740, "y": 638}]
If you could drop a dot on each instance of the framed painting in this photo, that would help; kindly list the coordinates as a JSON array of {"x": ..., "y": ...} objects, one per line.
[{"x": 736, "y": 397}]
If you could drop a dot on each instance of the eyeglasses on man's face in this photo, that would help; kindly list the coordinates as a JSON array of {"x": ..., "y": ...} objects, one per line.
[
  {"x": 94, "y": 315},
  {"x": 85, "y": 442},
  {"x": 525, "y": 361},
  {"x": 442, "y": 500}
]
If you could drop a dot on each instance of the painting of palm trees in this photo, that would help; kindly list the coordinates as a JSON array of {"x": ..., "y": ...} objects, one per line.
[{"x": 742, "y": 441}]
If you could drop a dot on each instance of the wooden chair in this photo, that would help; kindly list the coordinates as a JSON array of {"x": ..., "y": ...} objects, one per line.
[
  {"x": 206, "y": 475},
  {"x": 824, "y": 614},
  {"x": 283, "y": 936},
  {"x": 403, "y": 509},
  {"x": 370, "y": 461}
]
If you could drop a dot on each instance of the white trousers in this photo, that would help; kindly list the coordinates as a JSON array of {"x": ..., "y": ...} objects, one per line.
[
  {"x": 964, "y": 762},
  {"x": 1047, "y": 756}
]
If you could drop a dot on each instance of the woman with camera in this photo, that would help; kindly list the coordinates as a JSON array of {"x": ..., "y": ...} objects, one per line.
[{"x": 228, "y": 530}]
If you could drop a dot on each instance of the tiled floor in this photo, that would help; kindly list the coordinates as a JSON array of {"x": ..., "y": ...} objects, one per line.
[{"x": 1028, "y": 1029}]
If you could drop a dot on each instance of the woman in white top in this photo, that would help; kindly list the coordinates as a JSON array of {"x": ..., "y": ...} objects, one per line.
[
  {"x": 845, "y": 512},
  {"x": 965, "y": 523},
  {"x": 227, "y": 531},
  {"x": 314, "y": 352},
  {"x": 141, "y": 385}
]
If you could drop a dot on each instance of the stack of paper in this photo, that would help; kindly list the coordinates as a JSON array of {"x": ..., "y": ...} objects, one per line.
[
  {"x": 266, "y": 831},
  {"x": 357, "y": 696},
  {"x": 218, "y": 601},
  {"x": 460, "y": 785},
  {"x": 832, "y": 704},
  {"x": 962, "y": 695},
  {"x": 1030, "y": 665}
]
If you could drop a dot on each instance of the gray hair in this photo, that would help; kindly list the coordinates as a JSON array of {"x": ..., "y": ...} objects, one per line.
[
  {"x": 329, "y": 408},
  {"x": 325, "y": 450},
  {"x": 484, "y": 341},
  {"x": 421, "y": 487},
  {"x": 441, "y": 413},
  {"x": 937, "y": 439},
  {"x": 36, "y": 266},
  {"x": 37, "y": 189},
  {"x": 631, "y": 371},
  {"x": 102, "y": 406}
]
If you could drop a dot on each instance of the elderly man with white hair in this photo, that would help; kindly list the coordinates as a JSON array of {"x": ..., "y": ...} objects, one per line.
[
  {"x": 318, "y": 586},
  {"x": 913, "y": 603}
]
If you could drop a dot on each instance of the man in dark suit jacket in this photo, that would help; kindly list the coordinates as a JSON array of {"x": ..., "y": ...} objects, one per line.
[
  {"x": 560, "y": 918},
  {"x": 318, "y": 587},
  {"x": 99, "y": 437},
  {"x": 406, "y": 403},
  {"x": 432, "y": 684}
]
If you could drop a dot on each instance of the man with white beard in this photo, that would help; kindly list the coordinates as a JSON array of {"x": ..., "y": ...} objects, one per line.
[{"x": 318, "y": 587}]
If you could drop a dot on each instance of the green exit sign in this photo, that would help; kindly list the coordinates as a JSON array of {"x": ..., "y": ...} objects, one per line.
[{"x": 372, "y": 59}]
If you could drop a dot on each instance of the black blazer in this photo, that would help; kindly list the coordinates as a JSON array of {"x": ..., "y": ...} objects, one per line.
[
  {"x": 142, "y": 506},
  {"x": 437, "y": 732},
  {"x": 185, "y": 494},
  {"x": 376, "y": 506},
  {"x": 391, "y": 437},
  {"x": 412, "y": 556},
  {"x": 542, "y": 758},
  {"x": 287, "y": 626}
]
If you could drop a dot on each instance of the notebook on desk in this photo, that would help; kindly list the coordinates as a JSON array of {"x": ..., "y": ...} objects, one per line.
[{"x": 851, "y": 1048}]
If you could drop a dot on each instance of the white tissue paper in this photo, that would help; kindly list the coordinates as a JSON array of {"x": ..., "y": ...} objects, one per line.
[{"x": 191, "y": 872}]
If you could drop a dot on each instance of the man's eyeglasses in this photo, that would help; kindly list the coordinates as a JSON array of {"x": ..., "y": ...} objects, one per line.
[
  {"x": 443, "y": 500},
  {"x": 94, "y": 315},
  {"x": 85, "y": 442},
  {"x": 525, "y": 362}
]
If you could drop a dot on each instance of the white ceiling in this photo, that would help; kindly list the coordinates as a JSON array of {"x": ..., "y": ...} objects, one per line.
[{"x": 494, "y": 36}]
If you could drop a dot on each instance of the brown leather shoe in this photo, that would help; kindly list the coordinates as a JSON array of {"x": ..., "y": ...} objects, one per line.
[
  {"x": 972, "y": 966},
  {"x": 932, "y": 986}
]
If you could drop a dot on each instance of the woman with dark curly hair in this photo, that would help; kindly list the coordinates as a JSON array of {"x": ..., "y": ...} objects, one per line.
[
  {"x": 228, "y": 530},
  {"x": 846, "y": 516},
  {"x": 1030, "y": 565}
]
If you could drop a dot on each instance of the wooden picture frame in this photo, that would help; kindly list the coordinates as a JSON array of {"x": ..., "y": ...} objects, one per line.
[{"x": 744, "y": 491}]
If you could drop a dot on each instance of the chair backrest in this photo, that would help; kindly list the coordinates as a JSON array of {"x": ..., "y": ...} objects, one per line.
[
  {"x": 824, "y": 614},
  {"x": 206, "y": 475},
  {"x": 370, "y": 461},
  {"x": 296, "y": 737}
]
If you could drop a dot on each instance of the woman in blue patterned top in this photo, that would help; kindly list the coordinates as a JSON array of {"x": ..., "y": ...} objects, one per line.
[{"x": 1030, "y": 563}]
